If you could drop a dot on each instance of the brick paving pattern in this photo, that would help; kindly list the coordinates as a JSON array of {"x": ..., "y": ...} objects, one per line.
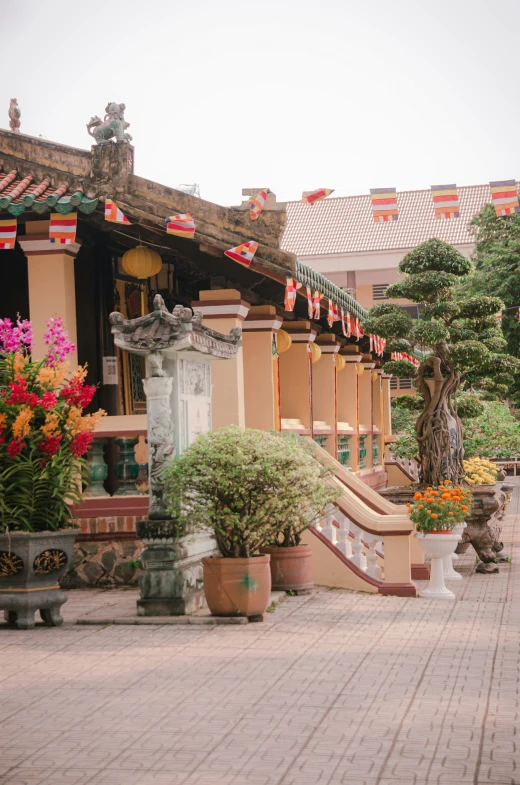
[{"x": 336, "y": 688}]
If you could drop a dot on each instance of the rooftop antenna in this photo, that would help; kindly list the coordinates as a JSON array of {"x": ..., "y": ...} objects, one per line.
[{"x": 191, "y": 190}]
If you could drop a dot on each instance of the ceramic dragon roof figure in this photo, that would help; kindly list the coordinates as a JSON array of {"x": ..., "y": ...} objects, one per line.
[{"x": 14, "y": 115}]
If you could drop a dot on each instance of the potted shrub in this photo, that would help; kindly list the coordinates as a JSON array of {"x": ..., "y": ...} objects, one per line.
[
  {"x": 439, "y": 515},
  {"x": 291, "y": 560},
  {"x": 43, "y": 436},
  {"x": 246, "y": 486}
]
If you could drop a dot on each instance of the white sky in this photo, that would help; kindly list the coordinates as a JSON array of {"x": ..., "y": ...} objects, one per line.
[{"x": 288, "y": 94}]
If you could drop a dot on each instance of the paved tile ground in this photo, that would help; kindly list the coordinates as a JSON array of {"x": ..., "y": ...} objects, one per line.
[{"x": 337, "y": 688}]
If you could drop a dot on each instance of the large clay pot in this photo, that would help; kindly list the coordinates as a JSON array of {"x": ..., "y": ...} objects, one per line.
[
  {"x": 291, "y": 568},
  {"x": 237, "y": 587}
]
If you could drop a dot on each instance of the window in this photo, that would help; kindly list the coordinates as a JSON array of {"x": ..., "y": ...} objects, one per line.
[
  {"x": 393, "y": 383},
  {"x": 379, "y": 291},
  {"x": 412, "y": 310},
  {"x": 405, "y": 384}
]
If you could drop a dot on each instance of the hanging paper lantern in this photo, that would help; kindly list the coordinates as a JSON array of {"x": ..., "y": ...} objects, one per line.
[
  {"x": 374, "y": 375},
  {"x": 315, "y": 352},
  {"x": 141, "y": 262},
  {"x": 283, "y": 341},
  {"x": 360, "y": 369},
  {"x": 339, "y": 362}
]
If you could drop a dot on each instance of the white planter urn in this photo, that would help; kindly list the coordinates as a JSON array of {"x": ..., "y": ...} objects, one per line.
[
  {"x": 437, "y": 547},
  {"x": 451, "y": 574}
]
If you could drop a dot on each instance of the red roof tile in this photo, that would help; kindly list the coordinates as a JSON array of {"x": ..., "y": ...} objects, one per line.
[
  {"x": 345, "y": 224},
  {"x": 20, "y": 193}
]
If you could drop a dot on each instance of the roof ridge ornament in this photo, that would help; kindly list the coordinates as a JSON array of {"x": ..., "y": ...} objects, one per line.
[
  {"x": 14, "y": 116},
  {"x": 113, "y": 125}
]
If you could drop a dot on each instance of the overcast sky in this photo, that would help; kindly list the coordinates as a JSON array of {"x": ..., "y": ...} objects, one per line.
[{"x": 288, "y": 94}]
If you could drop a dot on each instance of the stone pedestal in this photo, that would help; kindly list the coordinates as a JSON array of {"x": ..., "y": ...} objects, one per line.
[{"x": 178, "y": 351}]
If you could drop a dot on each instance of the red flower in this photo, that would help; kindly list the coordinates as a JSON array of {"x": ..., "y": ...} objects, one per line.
[
  {"x": 87, "y": 394},
  {"x": 19, "y": 394},
  {"x": 48, "y": 400},
  {"x": 81, "y": 443},
  {"x": 50, "y": 445},
  {"x": 14, "y": 447},
  {"x": 78, "y": 394}
]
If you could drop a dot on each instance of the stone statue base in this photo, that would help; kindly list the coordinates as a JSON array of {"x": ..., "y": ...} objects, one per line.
[{"x": 172, "y": 584}]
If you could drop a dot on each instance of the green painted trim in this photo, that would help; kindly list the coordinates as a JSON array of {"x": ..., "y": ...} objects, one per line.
[
  {"x": 76, "y": 198},
  {"x": 5, "y": 201},
  {"x": 16, "y": 209},
  {"x": 306, "y": 275},
  {"x": 64, "y": 207},
  {"x": 40, "y": 208},
  {"x": 87, "y": 206}
]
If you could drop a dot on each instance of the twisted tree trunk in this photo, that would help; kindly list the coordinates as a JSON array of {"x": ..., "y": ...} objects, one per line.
[{"x": 438, "y": 429}]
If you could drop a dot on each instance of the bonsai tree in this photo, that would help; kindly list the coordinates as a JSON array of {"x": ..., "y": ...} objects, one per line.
[
  {"x": 43, "y": 431},
  {"x": 460, "y": 342},
  {"x": 247, "y": 486}
]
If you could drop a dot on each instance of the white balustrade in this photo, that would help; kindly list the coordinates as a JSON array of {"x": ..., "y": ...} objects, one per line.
[
  {"x": 343, "y": 544},
  {"x": 329, "y": 530},
  {"x": 373, "y": 568},
  {"x": 358, "y": 555}
]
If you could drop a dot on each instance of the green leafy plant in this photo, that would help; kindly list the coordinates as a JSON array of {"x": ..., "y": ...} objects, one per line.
[
  {"x": 458, "y": 339},
  {"x": 249, "y": 487},
  {"x": 43, "y": 431}
]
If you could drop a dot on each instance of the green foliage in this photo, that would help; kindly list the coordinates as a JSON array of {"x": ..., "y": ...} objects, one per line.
[
  {"x": 495, "y": 433},
  {"x": 396, "y": 323},
  {"x": 429, "y": 333},
  {"x": 403, "y": 419},
  {"x": 467, "y": 354},
  {"x": 435, "y": 255},
  {"x": 249, "y": 487},
  {"x": 480, "y": 307},
  {"x": 423, "y": 287},
  {"x": 413, "y": 403},
  {"x": 400, "y": 368},
  {"x": 468, "y": 405}
]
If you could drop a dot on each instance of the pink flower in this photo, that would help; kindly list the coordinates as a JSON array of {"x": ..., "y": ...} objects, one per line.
[
  {"x": 14, "y": 339},
  {"x": 57, "y": 340}
]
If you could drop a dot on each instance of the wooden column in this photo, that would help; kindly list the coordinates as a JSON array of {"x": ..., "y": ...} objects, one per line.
[
  {"x": 365, "y": 410},
  {"x": 296, "y": 375},
  {"x": 261, "y": 371},
  {"x": 223, "y": 309},
  {"x": 50, "y": 270},
  {"x": 324, "y": 401}
]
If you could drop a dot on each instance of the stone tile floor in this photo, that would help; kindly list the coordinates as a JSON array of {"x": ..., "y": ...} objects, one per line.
[{"x": 336, "y": 688}]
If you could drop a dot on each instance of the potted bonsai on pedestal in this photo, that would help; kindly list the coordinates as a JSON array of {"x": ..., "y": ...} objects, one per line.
[
  {"x": 439, "y": 515},
  {"x": 43, "y": 436},
  {"x": 247, "y": 487}
]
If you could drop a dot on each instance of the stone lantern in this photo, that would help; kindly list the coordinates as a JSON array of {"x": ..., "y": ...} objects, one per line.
[{"x": 179, "y": 351}]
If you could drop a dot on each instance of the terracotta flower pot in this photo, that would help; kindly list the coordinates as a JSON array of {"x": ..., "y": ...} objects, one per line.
[
  {"x": 291, "y": 568},
  {"x": 237, "y": 587}
]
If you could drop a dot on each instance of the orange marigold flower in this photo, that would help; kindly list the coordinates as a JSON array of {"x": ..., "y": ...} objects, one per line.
[
  {"x": 434, "y": 515},
  {"x": 445, "y": 496},
  {"x": 421, "y": 507},
  {"x": 430, "y": 501},
  {"x": 465, "y": 507},
  {"x": 428, "y": 512},
  {"x": 417, "y": 496},
  {"x": 435, "y": 493},
  {"x": 429, "y": 489},
  {"x": 451, "y": 514}
]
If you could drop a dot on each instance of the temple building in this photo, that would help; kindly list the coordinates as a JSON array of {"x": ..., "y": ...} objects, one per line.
[{"x": 292, "y": 372}]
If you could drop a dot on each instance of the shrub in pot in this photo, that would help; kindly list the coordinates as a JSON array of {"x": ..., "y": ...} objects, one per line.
[
  {"x": 438, "y": 514},
  {"x": 291, "y": 561},
  {"x": 246, "y": 486},
  {"x": 43, "y": 436}
]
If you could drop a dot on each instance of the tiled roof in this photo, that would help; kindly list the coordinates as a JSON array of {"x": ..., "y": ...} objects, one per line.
[
  {"x": 23, "y": 193},
  {"x": 345, "y": 224}
]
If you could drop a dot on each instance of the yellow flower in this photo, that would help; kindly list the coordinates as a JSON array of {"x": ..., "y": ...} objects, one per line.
[
  {"x": 20, "y": 361},
  {"x": 21, "y": 426},
  {"x": 54, "y": 376},
  {"x": 78, "y": 424},
  {"x": 3, "y": 421},
  {"x": 51, "y": 424}
]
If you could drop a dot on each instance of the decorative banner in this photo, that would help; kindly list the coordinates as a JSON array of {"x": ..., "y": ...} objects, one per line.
[
  {"x": 310, "y": 302},
  {"x": 243, "y": 253},
  {"x": 62, "y": 228},
  {"x": 317, "y": 304},
  {"x": 357, "y": 329},
  {"x": 371, "y": 349},
  {"x": 384, "y": 204},
  {"x": 505, "y": 197},
  {"x": 181, "y": 225},
  {"x": 343, "y": 326},
  {"x": 445, "y": 201},
  {"x": 330, "y": 314},
  {"x": 313, "y": 196},
  {"x": 7, "y": 234},
  {"x": 290, "y": 294},
  {"x": 349, "y": 325},
  {"x": 499, "y": 316},
  {"x": 256, "y": 204},
  {"x": 335, "y": 312},
  {"x": 113, "y": 213}
]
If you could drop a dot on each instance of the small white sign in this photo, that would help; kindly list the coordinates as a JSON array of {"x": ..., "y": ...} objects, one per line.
[{"x": 110, "y": 375}]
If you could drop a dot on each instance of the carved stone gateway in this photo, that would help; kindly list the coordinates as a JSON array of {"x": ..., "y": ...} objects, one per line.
[{"x": 178, "y": 351}]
